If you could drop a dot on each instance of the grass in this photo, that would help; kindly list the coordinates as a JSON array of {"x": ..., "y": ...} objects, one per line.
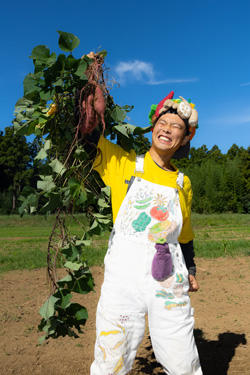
[
  {"x": 221, "y": 235},
  {"x": 23, "y": 241}
]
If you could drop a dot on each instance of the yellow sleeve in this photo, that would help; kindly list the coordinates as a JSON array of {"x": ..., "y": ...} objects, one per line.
[
  {"x": 108, "y": 159},
  {"x": 186, "y": 195},
  {"x": 115, "y": 166}
]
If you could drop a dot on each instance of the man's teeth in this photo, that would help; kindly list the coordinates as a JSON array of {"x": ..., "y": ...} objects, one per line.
[{"x": 164, "y": 138}]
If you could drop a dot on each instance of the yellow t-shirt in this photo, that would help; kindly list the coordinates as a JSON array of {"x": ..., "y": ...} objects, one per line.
[{"x": 116, "y": 166}]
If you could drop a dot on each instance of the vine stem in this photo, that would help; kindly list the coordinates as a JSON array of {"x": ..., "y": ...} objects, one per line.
[{"x": 51, "y": 270}]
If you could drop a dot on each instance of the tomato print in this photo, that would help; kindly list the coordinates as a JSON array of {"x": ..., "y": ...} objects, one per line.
[{"x": 159, "y": 213}]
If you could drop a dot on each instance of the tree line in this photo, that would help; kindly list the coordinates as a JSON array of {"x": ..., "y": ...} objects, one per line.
[
  {"x": 220, "y": 182},
  {"x": 16, "y": 169}
]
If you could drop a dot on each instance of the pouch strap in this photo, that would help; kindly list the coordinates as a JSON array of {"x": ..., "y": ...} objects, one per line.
[
  {"x": 139, "y": 164},
  {"x": 180, "y": 179}
]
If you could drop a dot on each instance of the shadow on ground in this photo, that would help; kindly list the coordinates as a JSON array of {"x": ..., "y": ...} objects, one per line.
[{"x": 215, "y": 355}]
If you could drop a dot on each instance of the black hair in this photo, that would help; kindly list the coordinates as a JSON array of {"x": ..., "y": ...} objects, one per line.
[{"x": 174, "y": 111}]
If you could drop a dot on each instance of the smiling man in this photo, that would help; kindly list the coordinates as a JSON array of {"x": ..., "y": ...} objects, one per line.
[
  {"x": 149, "y": 265},
  {"x": 169, "y": 134}
]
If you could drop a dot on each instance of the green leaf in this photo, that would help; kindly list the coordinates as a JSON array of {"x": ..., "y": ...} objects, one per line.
[
  {"x": 82, "y": 313},
  {"x": 27, "y": 190},
  {"x": 123, "y": 129},
  {"x": 95, "y": 228},
  {"x": 51, "y": 59},
  {"x": 29, "y": 112},
  {"x": 73, "y": 182},
  {"x": 41, "y": 340},
  {"x": 73, "y": 266},
  {"x": 83, "y": 242},
  {"x": 66, "y": 301},
  {"x": 42, "y": 119},
  {"x": 57, "y": 167},
  {"x": 30, "y": 203},
  {"x": 103, "y": 220},
  {"x": 82, "y": 198},
  {"x": 107, "y": 190},
  {"x": 40, "y": 53},
  {"x": 118, "y": 114},
  {"x": 46, "y": 184},
  {"x": 59, "y": 82},
  {"x": 65, "y": 280},
  {"x": 102, "y": 203},
  {"x": 42, "y": 154},
  {"x": 30, "y": 199},
  {"x": 29, "y": 83},
  {"x": 103, "y": 53},
  {"x": 54, "y": 202},
  {"x": 71, "y": 252},
  {"x": 48, "y": 309},
  {"x": 84, "y": 281},
  {"x": 67, "y": 41},
  {"x": 81, "y": 68},
  {"x": 138, "y": 130},
  {"x": 78, "y": 311},
  {"x": 47, "y": 145},
  {"x": 64, "y": 296},
  {"x": 22, "y": 104},
  {"x": 66, "y": 197},
  {"x": 77, "y": 191},
  {"x": 128, "y": 129},
  {"x": 80, "y": 154},
  {"x": 47, "y": 95}
]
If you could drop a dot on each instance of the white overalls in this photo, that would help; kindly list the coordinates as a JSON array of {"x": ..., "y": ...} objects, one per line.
[{"x": 149, "y": 213}]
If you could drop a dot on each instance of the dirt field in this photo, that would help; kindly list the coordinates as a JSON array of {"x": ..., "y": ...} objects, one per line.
[{"x": 222, "y": 328}]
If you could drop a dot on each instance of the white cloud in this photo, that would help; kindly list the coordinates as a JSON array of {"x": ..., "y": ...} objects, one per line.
[
  {"x": 245, "y": 84},
  {"x": 143, "y": 72},
  {"x": 138, "y": 70},
  {"x": 173, "y": 80}
]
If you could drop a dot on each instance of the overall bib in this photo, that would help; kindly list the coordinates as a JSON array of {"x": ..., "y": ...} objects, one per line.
[{"x": 149, "y": 214}]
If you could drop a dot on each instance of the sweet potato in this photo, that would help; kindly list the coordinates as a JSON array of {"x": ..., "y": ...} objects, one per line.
[
  {"x": 89, "y": 120},
  {"x": 99, "y": 104}
]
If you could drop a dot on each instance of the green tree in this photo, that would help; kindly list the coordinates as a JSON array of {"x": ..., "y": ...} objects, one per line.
[
  {"x": 16, "y": 156},
  {"x": 233, "y": 151},
  {"x": 245, "y": 168},
  {"x": 216, "y": 155},
  {"x": 197, "y": 156},
  {"x": 233, "y": 185}
]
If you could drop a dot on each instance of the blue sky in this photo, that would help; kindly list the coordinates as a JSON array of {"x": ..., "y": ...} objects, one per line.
[{"x": 199, "y": 49}]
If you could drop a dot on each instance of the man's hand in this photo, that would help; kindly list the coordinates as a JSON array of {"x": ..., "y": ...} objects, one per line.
[{"x": 193, "y": 284}]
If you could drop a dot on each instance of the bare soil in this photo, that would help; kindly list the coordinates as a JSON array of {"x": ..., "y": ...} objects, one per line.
[{"x": 222, "y": 328}]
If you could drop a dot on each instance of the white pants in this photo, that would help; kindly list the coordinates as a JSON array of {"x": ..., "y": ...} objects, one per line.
[{"x": 128, "y": 293}]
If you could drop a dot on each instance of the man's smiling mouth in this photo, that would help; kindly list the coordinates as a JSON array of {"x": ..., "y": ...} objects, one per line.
[{"x": 165, "y": 138}]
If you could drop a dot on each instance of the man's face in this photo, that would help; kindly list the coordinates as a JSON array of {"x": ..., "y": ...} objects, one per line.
[{"x": 169, "y": 134}]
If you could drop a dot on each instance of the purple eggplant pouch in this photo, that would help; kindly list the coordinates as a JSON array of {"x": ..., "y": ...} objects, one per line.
[{"x": 162, "y": 262}]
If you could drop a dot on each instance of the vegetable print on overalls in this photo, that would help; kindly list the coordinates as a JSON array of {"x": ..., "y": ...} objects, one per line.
[{"x": 151, "y": 213}]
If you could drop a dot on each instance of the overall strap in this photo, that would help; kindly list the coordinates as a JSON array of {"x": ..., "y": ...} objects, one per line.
[
  {"x": 139, "y": 170},
  {"x": 139, "y": 163},
  {"x": 180, "y": 179}
]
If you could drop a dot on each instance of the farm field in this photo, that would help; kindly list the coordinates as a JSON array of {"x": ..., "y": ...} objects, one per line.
[{"x": 221, "y": 305}]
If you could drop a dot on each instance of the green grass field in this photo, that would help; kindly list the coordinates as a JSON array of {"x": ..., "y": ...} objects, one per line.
[
  {"x": 24, "y": 241},
  {"x": 221, "y": 235}
]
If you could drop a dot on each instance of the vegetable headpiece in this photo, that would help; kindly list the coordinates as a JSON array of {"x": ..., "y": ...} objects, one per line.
[{"x": 184, "y": 109}]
